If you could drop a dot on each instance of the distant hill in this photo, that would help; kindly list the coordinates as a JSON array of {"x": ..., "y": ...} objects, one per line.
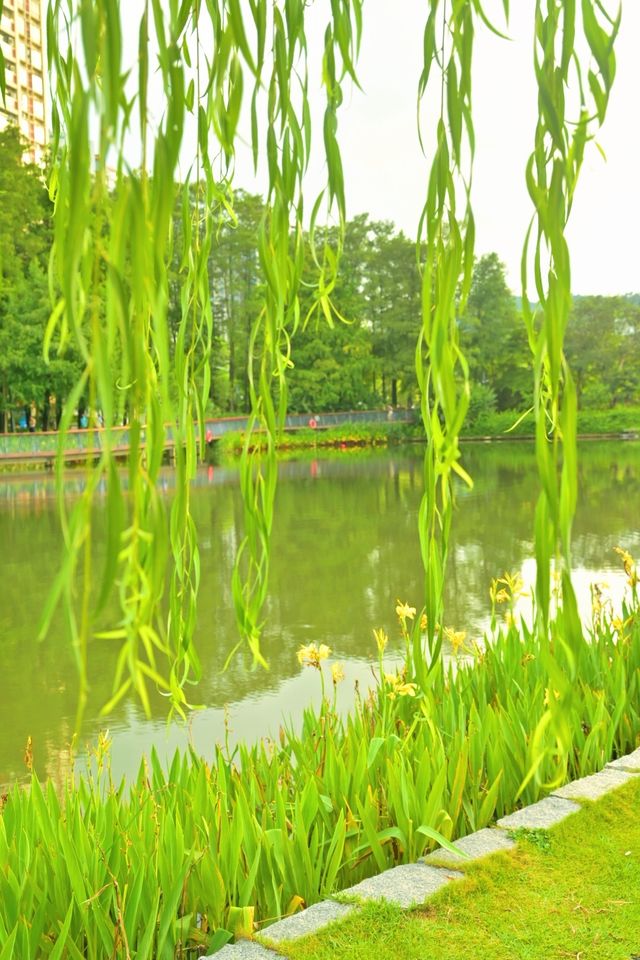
[{"x": 633, "y": 298}]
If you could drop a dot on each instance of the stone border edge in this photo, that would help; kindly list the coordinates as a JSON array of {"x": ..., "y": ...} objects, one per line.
[{"x": 411, "y": 884}]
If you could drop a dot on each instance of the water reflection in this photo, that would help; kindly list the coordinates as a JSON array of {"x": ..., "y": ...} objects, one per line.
[{"x": 345, "y": 547}]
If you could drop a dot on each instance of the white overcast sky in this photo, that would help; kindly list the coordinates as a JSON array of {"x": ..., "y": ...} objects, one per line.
[{"x": 386, "y": 172}]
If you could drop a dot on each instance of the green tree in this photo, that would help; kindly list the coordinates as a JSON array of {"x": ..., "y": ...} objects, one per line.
[
  {"x": 393, "y": 291},
  {"x": 236, "y": 285},
  {"x": 494, "y": 336},
  {"x": 25, "y": 242},
  {"x": 603, "y": 348},
  {"x": 25, "y": 209},
  {"x": 332, "y": 362},
  {"x": 30, "y": 376}
]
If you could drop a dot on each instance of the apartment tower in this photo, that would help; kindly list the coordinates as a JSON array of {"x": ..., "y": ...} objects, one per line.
[{"x": 22, "y": 40}]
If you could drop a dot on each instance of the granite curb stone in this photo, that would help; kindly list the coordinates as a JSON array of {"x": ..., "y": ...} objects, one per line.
[
  {"x": 593, "y": 787},
  {"x": 541, "y": 815},
  {"x": 475, "y": 845},
  {"x": 308, "y": 921},
  {"x": 631, "y": 762},
  {"x": 407, "y": 885},
  {"x": 244, "y": 950}
]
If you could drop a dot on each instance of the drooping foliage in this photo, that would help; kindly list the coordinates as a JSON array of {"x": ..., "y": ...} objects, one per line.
[
  {"x": 448, "y": 225},
  {"x": 563, "y": 129},
  {"x": 113, "y": 273},
  {"x": 141, "y": 317}
]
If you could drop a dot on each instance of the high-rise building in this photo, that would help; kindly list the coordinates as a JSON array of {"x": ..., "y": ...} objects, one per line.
[{"x": 22, "y": 42}]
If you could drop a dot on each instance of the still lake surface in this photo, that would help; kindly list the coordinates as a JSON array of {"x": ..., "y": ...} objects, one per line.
[{"x": 345, "y": 548}]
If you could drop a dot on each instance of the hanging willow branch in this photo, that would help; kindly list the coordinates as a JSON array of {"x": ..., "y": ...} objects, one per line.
[
  {"x": 281, "y": 252},
  {"x": 447, "y": 226},
  {"x": 562, "y": 133},
  {"x": 114, "y": 242}
]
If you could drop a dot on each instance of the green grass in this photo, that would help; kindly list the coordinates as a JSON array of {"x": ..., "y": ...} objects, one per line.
[{"x": 570, "y": 892}]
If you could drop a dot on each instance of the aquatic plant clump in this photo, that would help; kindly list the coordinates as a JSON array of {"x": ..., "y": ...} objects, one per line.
[{"x": 191, "y": 856}]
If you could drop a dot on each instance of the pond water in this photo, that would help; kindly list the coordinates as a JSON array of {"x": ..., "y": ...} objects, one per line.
[{"x": 345, "y": 548}]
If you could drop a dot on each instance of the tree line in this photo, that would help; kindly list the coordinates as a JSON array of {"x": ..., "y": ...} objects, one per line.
[{"x": 365, "y": 357}]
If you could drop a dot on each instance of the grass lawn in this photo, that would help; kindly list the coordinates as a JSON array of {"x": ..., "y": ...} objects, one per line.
[{"x": 571, "y": 892}]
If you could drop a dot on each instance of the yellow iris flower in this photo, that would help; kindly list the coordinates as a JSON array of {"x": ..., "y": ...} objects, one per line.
[
  {"x": 381, "y": 639},
  {"x": 404, "y": 611},
  {"x": 337, "y": 673},
  {"x": 312, "y": 655}
]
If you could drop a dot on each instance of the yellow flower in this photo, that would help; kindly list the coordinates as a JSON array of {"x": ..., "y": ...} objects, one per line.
[
  {"x": 392, "y": 680},
  {"x": 311, "y": 655},
  {"x": 398, "y": 686},
  {"x": 497, "y": 595},
  {"x": 337, "y": 673},
  {"x": 423, "y": 622},
  {"x": 404, "y": 611},
  {"x": 455, "y": 637},
  {"x": 629, "y": 566},
  {"x": 620, "y": 626},
  {"x": 547, "y": 696},
  {"x": 381, "y": 639},
  {"x": 304, "y": 654},
  {"x": 512, "y": 588}
]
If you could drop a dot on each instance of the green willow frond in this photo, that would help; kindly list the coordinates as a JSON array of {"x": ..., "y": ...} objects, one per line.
[
  {"x": 126, "y": 238},
  {"x": 445, "y": 252},
  {"x": 552, "y": 176}
]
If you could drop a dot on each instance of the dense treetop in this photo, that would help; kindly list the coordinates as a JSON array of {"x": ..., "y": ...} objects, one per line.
[{"x": 364, "y": 360}]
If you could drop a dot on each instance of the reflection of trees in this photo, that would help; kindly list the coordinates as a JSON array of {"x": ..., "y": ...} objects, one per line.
[
  {"x": 492, "y": 530},
  {"x": 608, "y": 498},
  {"x": 336, "y": 564},
  {"x": 341, "y": 539},
  {"x": 492, "y": 527},
  {"x": 345, "y": 547}
]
